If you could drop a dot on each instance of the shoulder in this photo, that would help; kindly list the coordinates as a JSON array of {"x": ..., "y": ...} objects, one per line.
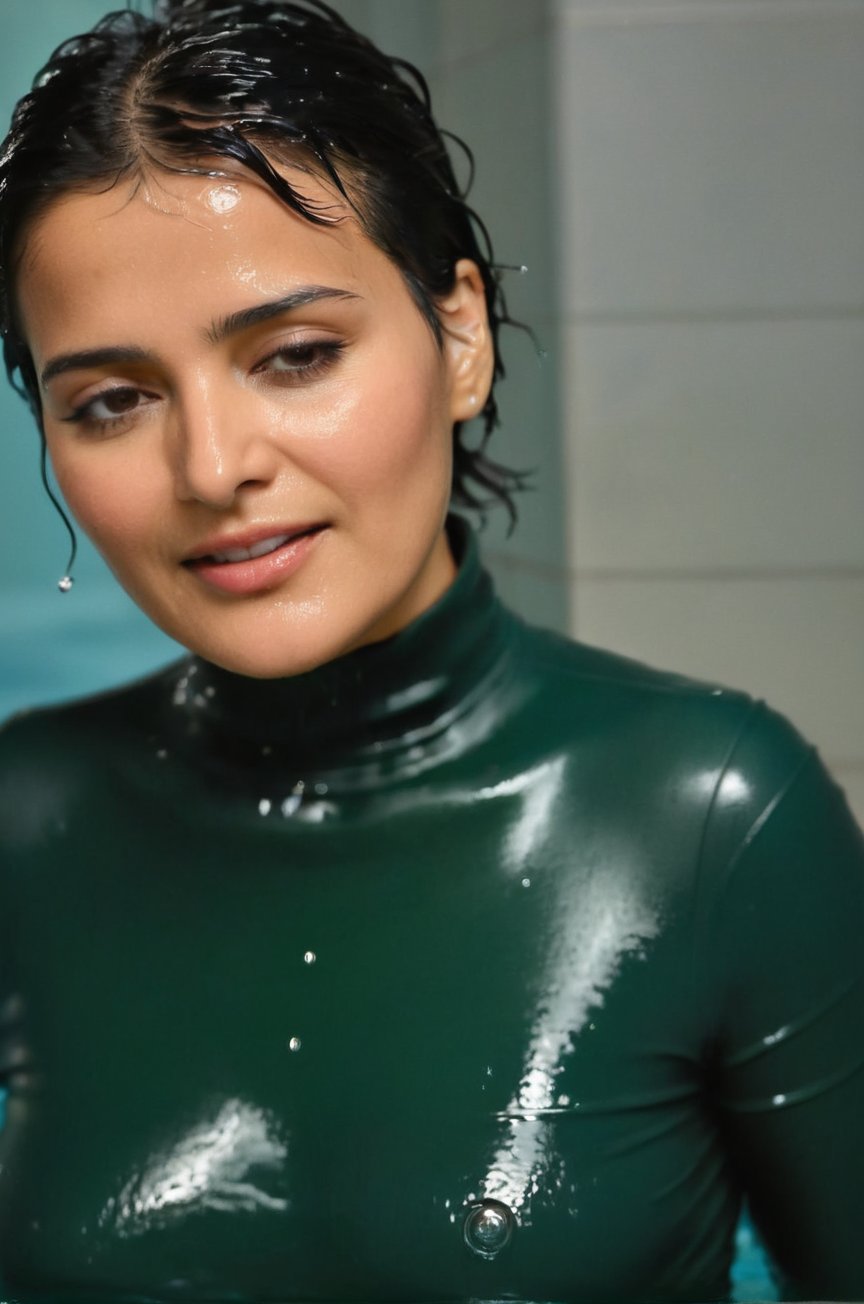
[
  {"x": 49, "y": 754},
  {"x": 654, "y": 705},
  {"x": 107, "y": 712},
  {"x": 709, "y": 753}
]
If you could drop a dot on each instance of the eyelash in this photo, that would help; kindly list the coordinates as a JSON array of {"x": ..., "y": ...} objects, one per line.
[{"x": 325, "y": 354}]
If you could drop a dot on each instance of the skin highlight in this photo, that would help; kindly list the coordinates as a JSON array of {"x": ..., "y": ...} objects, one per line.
[{"x": 218, "y": 375}]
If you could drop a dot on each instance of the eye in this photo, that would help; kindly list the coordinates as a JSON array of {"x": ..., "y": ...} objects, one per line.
[
  {"x": 302, "y": 360},
  {"x": 111, "y": 407}
]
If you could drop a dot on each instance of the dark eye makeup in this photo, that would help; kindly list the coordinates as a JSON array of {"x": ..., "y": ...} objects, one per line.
[{"x": 289, "y": 364}]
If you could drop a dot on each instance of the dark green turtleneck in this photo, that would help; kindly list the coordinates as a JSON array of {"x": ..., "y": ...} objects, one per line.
[{"x": 476, "y": 965}]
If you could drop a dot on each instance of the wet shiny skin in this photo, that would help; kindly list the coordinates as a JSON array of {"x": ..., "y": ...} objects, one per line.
[{"x": 474, "y": 965}]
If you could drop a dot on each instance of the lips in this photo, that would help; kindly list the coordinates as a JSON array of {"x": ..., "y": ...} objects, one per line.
[
  {"x": 249, "y": 554},
  {"x": 255, "y": 561}
]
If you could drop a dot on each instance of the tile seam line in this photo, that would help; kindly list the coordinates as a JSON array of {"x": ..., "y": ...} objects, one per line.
[
  {"x": 705, "y": 11},
  {"x": 629, "y": 574},
  {"x": 705, "y": 317}
]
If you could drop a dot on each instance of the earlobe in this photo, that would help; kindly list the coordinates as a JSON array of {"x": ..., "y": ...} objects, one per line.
[{"x": 467, "y": 341}]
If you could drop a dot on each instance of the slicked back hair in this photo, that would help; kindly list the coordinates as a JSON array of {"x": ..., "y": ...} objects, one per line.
[{"x": 254, "y": 83}]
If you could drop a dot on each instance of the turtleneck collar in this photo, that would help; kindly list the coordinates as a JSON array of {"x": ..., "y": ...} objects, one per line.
[{"x": 366, "y": 708}]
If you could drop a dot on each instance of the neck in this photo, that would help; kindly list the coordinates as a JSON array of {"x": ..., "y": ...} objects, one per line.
[{"x": 379, "y": 706}]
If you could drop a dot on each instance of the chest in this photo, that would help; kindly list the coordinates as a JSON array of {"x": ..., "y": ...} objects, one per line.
[{"x": 294, "y": 1054}]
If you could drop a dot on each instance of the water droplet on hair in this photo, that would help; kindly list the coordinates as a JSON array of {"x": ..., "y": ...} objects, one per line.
[{"x": 65, "y": 584}]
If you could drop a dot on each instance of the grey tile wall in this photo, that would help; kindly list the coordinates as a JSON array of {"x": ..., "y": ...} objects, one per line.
[{"x": 712, "y": 164}]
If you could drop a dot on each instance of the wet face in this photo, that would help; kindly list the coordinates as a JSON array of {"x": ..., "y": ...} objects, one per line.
[{"x": 248, "y": 414}]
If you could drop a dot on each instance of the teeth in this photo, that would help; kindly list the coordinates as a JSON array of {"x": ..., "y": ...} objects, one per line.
[{"x": 257, "y": 549}]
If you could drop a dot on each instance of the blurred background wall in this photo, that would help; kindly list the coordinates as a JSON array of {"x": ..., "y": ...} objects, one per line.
[{"x": 684, "y": 180}]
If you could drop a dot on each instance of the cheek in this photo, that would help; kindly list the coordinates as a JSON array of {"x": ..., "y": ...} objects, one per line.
[
  {"x": 111, "y": 505},
  {"x": 395, "y": 431}
]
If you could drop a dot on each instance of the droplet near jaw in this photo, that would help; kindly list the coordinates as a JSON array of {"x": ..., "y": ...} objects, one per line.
[{"x": 222, "y": 199}]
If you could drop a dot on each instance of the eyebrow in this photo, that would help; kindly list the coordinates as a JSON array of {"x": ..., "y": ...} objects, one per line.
[
  {"x": 89, "y": 358},
  {"x": 234, "y": 324}
]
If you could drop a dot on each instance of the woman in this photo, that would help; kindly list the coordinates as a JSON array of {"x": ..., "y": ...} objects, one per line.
[{"x": 384, "y": 948}]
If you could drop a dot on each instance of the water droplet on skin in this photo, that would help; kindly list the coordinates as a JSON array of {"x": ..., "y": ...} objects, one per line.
[
  {"x": 222, "y": 199},
  {"x": 310, "y": 957},
  {"x": 294, "y": 1043},
  {"x": 265, "y": 806}
]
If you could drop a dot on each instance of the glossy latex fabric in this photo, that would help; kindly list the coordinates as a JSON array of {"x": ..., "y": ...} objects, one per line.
[{"x": 476, "y": 965}]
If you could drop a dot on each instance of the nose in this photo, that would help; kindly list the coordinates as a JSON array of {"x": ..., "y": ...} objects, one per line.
[{"x": 221, "y": 445}]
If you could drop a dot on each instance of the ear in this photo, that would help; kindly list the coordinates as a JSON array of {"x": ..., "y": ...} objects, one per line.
[{"x": 468, "y": 348}]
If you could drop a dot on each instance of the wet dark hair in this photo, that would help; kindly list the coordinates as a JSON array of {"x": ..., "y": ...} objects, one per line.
[{"x": 250, "y": 82}]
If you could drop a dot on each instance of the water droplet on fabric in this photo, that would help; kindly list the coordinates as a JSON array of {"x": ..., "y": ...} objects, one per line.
[{"x": 488, "y": 1228}]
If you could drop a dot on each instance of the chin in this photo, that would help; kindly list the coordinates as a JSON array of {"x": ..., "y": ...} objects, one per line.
[{"x": 279, "y": 655}]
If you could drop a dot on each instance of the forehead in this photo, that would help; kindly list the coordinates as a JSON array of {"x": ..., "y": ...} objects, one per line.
[{"x": 175, "y": 247}]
